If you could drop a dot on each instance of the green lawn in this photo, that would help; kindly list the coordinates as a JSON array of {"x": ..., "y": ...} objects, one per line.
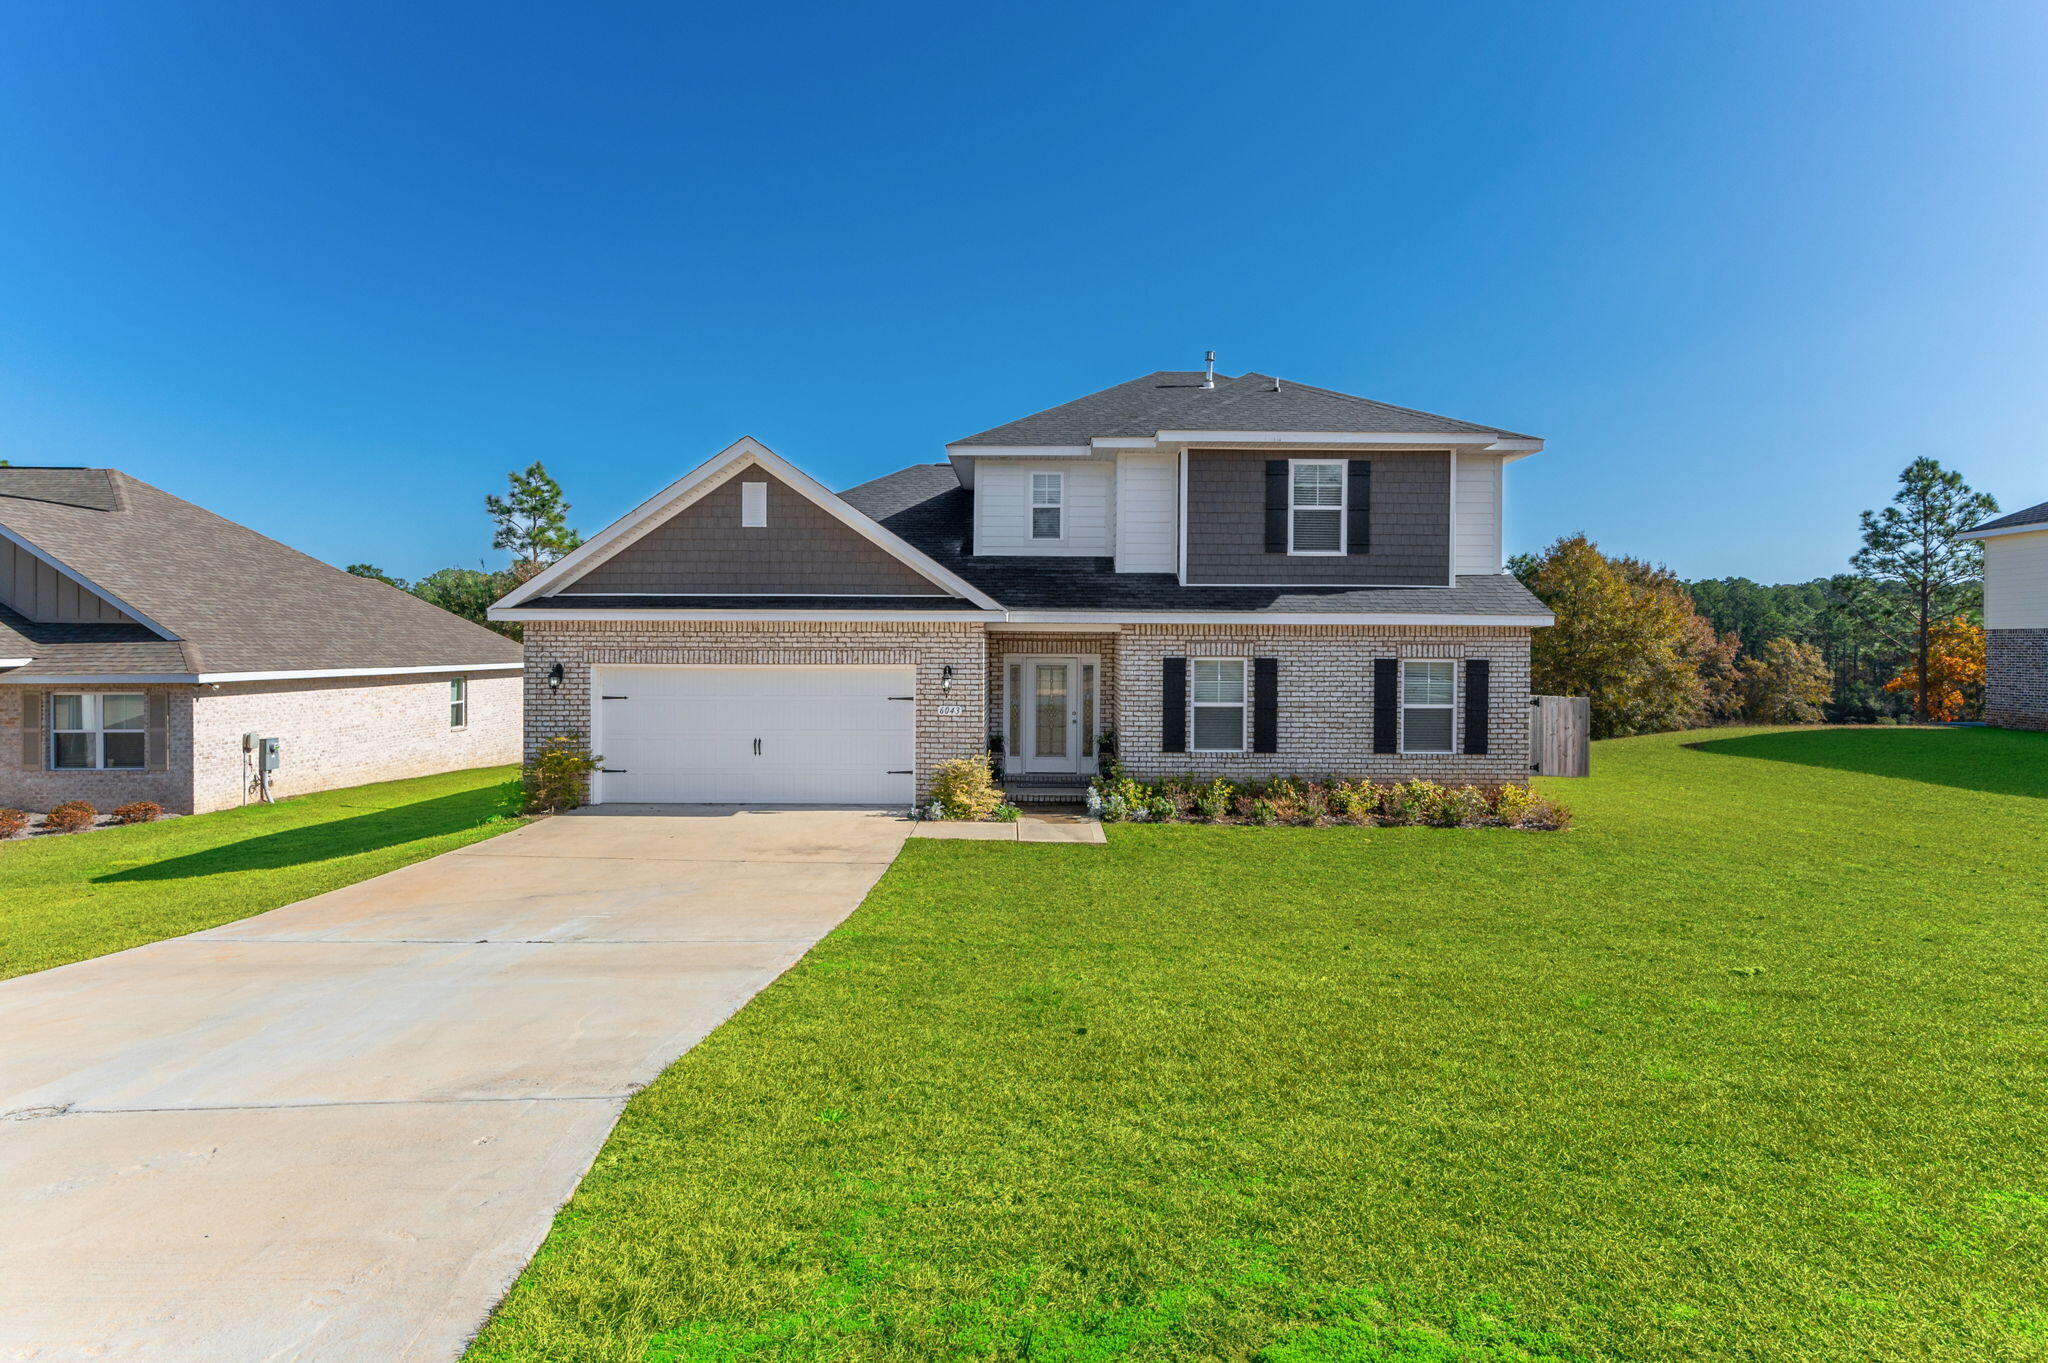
[
  {"x": 1748, "y": 1065},
  {"x": 66, "y": 897}
]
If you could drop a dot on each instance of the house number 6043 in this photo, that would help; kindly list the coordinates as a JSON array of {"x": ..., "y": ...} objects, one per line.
[{"x": 952, "y": 709}]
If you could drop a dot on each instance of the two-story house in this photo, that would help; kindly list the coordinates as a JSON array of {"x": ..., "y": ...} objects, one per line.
[
  {"x": 1239, "y": 576},
  {"x": 2016, "y": 618}
]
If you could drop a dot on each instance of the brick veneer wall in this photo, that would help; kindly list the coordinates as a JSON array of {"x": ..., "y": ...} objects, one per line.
[
  {"x": 1002, "y": 644},
  {"x": 929, "y": 647},
  {"x": 1325, "y": 712},
  {"x": 26, "y": 785},
  {"x": 334, "y": 732},
  {"x": 2016, "y": 678},
  {"x": 348, "y": 731}
]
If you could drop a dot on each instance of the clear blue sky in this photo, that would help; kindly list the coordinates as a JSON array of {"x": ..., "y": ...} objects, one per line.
[{"x": 332, "y": 269}]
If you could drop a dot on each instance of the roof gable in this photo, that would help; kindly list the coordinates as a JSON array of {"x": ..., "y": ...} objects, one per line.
[
  {"x": 2032, "y": 518},
  {"x": 661, "y": 510}
]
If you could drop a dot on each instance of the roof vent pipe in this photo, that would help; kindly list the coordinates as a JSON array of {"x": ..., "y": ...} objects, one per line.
[{"x": 1209, "y": 376}]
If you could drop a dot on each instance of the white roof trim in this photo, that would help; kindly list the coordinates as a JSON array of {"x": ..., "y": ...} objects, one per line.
[
  {"x": 1019, "y": 451},
  {"x": 571, "y": 617},
  {"x": 695, "y": 483},
  {"x": 15, "y": 662},
  {"x": 1488, "y": 439},
  {"x": 205, "y": 678},
  {"x": 1025, "y": 617},
  {"x": 87, "y": 583},
  {"x": 2033, "y": 529}
]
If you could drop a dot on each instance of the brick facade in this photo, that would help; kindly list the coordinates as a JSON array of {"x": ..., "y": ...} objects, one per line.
[
  {"x": 929, "y": 647},
  {"x": 333, "y": 732},
  {"x": 1325, "y": 711},
  {"x": 2016, "y": 678}
]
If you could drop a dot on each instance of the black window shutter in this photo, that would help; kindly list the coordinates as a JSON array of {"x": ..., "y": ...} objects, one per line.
[
  {"x": 1358, "y": 528},
  {"x": 1276, "y": 506},
  {"x": 1173, "y": 705},
  {"x": 1265, "y": 705},
  {"x": 1478, "y": 678},
  {"x": 1386, "y": 705}
]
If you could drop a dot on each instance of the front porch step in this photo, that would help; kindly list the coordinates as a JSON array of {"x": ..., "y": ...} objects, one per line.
[{"x": 1043, "y": 791}]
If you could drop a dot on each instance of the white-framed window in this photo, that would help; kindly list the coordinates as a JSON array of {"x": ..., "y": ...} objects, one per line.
[
  {"x": 1048, "y": 506},
  {"x": 1217, "y": 693},
  {"x": 458, "y": 703},
  {"x": 1429, "y": 689},
  {"x": 753, "y": 505},
  {"x": 99, "y": 731},
  {"x": 1315, "y": 506}
]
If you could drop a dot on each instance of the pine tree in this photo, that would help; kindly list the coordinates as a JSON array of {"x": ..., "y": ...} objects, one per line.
[
  {"x": 1923, "y": 572},
  {"x": 532, "y": 521}
]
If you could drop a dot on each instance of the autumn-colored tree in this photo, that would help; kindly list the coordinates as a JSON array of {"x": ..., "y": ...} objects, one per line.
[
  {"x": 1786, "y": 683},
  {"x": 1955, "y": 671},
  {"x": 1716, "y": 657},
  {"x": 1624, "y": 638}
]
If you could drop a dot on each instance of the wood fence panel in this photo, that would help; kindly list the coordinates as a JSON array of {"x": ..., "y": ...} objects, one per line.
[{"x": 1561, "y": 735}]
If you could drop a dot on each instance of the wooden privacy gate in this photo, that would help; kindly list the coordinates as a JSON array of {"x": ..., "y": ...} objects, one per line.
[{"x": 1560, "y": 731}]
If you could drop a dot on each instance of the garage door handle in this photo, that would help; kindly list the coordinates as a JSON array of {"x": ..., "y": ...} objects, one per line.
[
  {"x": 613, "y": 771},
  {"x": 615, "y": 698},
  {"x": 903, "y": 698},
  {"x": 757, "y": 747},
  {"x": 905, "y": 772}
]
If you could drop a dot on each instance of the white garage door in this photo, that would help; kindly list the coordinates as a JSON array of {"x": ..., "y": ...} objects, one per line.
[{"x": 755, "y": 735}]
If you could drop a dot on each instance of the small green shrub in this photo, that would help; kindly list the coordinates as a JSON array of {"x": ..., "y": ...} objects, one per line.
[
  {"x": 141, "y": 811},
  {"x": 1356, "y": 801},
  {"x": 1212, "y": 802},
  {"x": 1512, "y": 804},
  {"x": 1004, "y": 813},
  {"x": 1545, "y": 813},
  {"x": 1410, "y": 802},
  {"x": 558, "y": 776},
  {"x": 70, "y": 817},
  {"x": 1264, "y": 812},
  {"x": 12, "y": 822},
  {"x": 1465, "y": 807},
  {"x": 965, "y": 788},
  {"x": 1161, "y": 809}
]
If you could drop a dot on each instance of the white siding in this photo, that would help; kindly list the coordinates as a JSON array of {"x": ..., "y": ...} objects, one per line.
[
  {"x": 1147, "y": 513},
  {"x": 2016, "y": 581},
  {"x": 1002, "y": 507},
  {"x": 1478, "y": 500},
  {"x": 40, "y": 592}
]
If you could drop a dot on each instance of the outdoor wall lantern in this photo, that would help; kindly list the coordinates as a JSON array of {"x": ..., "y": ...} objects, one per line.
[
  {"x": 946, "y": 678},
  {"x": 555, "y": 677}
]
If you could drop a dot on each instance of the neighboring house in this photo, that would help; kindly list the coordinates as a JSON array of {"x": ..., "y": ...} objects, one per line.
[
  {"x": 2016, "y": 618},
  {"x": 1231, "y": 576},
  {"x": 141, "y": 639}
]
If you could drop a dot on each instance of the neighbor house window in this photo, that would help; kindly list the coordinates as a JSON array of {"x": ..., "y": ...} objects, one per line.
[
  {"x": 98, "y": 731},
  {"x": 1048, "y": 505},
  {"x": 1218, "y": 696},
  {"x": 753, "y": 504},
  {"x": 458, "y": 703},
  {"x": 1427, "y": 691},
  {"x": 1316, "y": 508}
]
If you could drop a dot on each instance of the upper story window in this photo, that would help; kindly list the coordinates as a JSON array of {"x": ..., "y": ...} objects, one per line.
[
  {"x": 1316, "y": 507},
  {"x": 1428, "y": 691},
  {"x": 98, "y": 731},
  {"x": 458, "y": 703},
  {"x": 753, "y": 505},
  {"x": 1048, "y": 505}
]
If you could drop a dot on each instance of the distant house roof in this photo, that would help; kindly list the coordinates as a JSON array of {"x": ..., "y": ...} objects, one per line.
[
  {"x": 214, "y": 597},
  {"x": 927, "y": 506},
  {"x": 1175, "y": 400},
  {"x": 2033, "y": 515}
]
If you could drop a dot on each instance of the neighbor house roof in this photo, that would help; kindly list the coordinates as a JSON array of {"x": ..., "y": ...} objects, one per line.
[
  {"x": 1175, "y": 400},
  {"x": 214, "y": 597},
  {"x": 2018, "y": 520},
  {"x": 927, "y": 506}
]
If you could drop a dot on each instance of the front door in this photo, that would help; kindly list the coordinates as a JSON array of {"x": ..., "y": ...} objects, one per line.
[{"x": 1051, "y": 714}]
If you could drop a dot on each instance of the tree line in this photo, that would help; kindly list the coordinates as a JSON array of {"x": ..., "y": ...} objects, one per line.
[
  {"x": 1897, "y": 635},
  {"x": 531, "y": 522}
]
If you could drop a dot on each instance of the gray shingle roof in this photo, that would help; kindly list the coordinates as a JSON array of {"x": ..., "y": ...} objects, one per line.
[
  {"x": 236, "y": 601},
  {"x": 86, "y": 650},
  {"x": 2033, "y": 515},
  {"x": 926, "y": 505},
  {"x": 1174, "y": 400}
]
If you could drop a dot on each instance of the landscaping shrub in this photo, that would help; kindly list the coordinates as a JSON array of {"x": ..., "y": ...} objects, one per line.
[
  {"x": 965, "y": 788},
  {"x": 141, "y": 811},
  {"x": 69, "y": 817},
  {"x": 12, "y": 822},
  {"x": 558, "y": 777},
  {"x": 1004, "y": 813},
  {"x": 1315, "y": 802}
]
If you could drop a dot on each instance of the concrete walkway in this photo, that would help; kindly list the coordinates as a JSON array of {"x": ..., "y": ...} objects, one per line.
[{"x": 338, "y": 1130}]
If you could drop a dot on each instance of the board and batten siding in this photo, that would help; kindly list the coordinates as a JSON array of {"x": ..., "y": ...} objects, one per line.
[
  {"x": 1148, "y": 513},
  {"x": 41, "y": 593},
  {"x": 2016, "y": 581},
  {"x": 1002, "y": 507},
  {"x": 1478, "y": 500}
]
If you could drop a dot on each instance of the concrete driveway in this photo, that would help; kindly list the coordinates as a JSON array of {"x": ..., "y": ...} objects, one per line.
[{"x": 338, "y": 1130}]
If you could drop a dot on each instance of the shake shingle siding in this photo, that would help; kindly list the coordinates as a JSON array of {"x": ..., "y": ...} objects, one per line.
[
  {"x": 1410, "y": 542},
  {"x": 703, "y": 549}
]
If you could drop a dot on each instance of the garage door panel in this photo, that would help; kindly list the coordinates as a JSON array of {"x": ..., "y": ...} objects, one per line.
[{"x": 827, "y": 735}]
